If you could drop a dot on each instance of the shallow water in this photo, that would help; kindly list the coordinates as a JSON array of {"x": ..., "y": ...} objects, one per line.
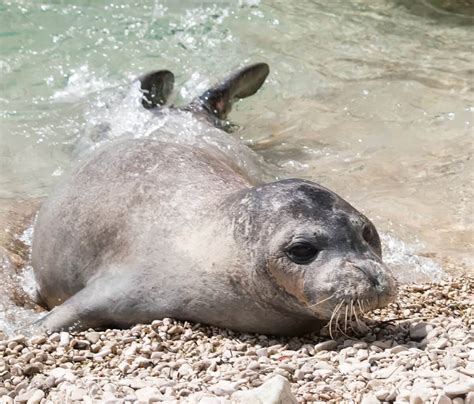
[{"x": 372, "y": 99}]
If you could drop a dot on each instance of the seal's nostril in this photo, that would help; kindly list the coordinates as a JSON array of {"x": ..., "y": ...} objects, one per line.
[{"x": 370, "y": 276}]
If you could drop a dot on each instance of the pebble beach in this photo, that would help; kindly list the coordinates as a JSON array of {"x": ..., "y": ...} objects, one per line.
[
  {"x": 371, "y": 99},
  {"x": 419, "y": 349}
]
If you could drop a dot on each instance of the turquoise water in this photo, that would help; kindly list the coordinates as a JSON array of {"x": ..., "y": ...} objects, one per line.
[{"x": 370, "y": 98}]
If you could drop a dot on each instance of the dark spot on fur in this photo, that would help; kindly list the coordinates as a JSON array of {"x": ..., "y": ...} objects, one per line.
[
  {"x": 320, "y": 197},
  {"x": 310, "y": 201}
]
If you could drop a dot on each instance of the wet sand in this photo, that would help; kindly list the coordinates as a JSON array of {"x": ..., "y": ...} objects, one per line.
[{"x": 15, "y": 216}]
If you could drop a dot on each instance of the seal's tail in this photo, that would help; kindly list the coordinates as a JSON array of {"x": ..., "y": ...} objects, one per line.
[
  {"x": 156, "y": 87},
  {"x": 218, "y": 100}
]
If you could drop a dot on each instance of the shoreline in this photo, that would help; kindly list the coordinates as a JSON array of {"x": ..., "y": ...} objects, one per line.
[{"x": 418, "y": 349}]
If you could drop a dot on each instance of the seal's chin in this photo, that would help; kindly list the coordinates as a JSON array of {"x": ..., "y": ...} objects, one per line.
[{"x": 357, "y": 287}]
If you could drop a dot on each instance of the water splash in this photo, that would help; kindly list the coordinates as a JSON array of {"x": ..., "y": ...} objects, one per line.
[
  {"x": 81, "y": 82},
  {"x": 406, "y": 264}
]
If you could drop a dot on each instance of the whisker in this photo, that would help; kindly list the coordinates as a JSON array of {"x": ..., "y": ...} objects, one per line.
[
  {"x": 336, "y": 324},
  {"x": 351, "y": 324},
  {"x": 364, "y": 302},
  {"x": 357, "y": 320},
  {"x": 322, "y": 301},
  {"x": 330, "y": 323},
  {"x": 345, "y": 319},
  {"x": 360, "y": 306},
  {"x": 340, "y": 329},
  {"x": 334, "y": 312},
  {"x": 337, "y": 320}
]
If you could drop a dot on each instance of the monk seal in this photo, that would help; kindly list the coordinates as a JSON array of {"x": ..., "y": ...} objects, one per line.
[{"x": 145, "y": 229}]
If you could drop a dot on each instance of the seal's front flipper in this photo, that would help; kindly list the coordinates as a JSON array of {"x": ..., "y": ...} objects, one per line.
[
  {"x": 81, "y": 311},
  {"x": 156, "y": 87},
  {"x": 106, "y": 301},
  {"x": 61, "y": 318},
  {"x": 218, "y": 100}
]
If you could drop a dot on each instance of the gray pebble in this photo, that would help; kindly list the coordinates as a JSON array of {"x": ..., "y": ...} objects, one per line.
[
  {"x": 32, "y": 369},
  {"x": 325, "y": 346},
  {"x": 419, "y": 331}
]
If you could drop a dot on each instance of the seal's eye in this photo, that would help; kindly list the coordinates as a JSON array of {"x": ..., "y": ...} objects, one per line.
[
  {"x": 371, "y": 237},
  {"x": 368, "y": 234},
  {"x": 302, "y": 253}
]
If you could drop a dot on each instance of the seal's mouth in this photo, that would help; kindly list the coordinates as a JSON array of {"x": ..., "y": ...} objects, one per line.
[
  {"x": 359, "y": 286},
  {"x": 348, "y": 315}
]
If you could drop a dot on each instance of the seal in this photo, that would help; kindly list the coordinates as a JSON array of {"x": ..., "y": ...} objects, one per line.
[{"x": 145, "y": 229}]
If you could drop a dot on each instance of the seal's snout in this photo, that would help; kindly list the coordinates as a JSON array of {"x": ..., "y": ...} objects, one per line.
[
  {"x": 379, "y": 279},
  {"x": 371, "y": 275}
]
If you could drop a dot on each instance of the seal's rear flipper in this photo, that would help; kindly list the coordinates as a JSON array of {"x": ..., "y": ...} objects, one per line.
[
  {"x": 217, "y": 101},
  {"x": 156, "y": 87}
]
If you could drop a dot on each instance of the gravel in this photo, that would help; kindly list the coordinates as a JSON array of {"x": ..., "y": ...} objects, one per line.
[{"x": 418, "y": 350}]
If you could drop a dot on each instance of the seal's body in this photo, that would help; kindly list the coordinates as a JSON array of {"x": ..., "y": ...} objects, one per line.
[{"x": 145, "y": 229}]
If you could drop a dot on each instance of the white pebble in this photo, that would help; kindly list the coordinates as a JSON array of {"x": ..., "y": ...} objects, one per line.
[
  {"x": 458, "y": 389},
  {"x": 64, "y": 339},
  {"x": 443, "y": 399},
  {"x": 148, "y": 394}
]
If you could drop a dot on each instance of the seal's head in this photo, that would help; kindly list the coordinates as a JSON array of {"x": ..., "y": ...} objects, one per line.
[{"x": 318, "y": 249}]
